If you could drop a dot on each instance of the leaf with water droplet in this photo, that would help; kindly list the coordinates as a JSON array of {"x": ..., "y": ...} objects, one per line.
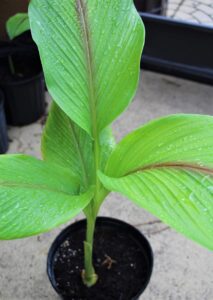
[
  {"x": 146, "y": 168},
  {"x": 83, "y": 34},
  {"x": 36, "y": 196}
]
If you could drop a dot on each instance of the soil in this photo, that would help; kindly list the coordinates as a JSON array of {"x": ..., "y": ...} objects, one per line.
[{"x": 120, "y": 262}]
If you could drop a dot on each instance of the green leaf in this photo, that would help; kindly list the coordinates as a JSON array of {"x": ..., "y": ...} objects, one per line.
[
  {"x": 182, "y": 138},
  {"x": 36, "y": 196},
  {"x": 181, "y": 198},
  {"x": 167, "y": 168},
  {"x": 66, "y": 144},
  {"x": 17, "y": 25},
  {"x": 87, "y": 63},
  {"x": 107, "y": 145}
]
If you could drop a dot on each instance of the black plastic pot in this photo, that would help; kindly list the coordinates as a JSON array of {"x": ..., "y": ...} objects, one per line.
[
  {"x": 3, "y": 127},
  {"x": 24, "y": 100},
  {"x": 165, "y": 49},
  {"x": 65, "y": 252},
  {"x": 16, "y": 47},
  {"x": 24, "y": 96},
  {"x": 157, "y": 7},
  {"x": 22, "y": 44},
  {"x": 24, "y": 90}
]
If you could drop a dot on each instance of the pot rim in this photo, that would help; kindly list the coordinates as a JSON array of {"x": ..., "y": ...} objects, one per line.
[{"x": 136, "y": 233}]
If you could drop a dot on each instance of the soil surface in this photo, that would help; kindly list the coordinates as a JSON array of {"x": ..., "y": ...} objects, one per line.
[{"x": 121, "y": 265}]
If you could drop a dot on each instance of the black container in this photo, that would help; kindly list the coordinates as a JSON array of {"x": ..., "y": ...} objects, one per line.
[
  {"x": 22, "y": 44},
  {"x": 3, "y": 127},
  {"x": 157, "y": 7},
  {"x": 168, "y": 48},
  {"x": 25, "y": 102},
  {"x": 103, "y": 224},
  {"x": 24, "y": 96},
  {"x": 15, "y": 47}
]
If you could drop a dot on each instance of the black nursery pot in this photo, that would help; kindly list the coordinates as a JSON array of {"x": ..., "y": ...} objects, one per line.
[
  {"x": 122, "y": 258},
  {"x": 24, "y": 95},
  {"x": 3, "y": 127}
]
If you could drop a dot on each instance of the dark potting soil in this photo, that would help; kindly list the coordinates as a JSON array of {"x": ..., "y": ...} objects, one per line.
[{"x": 120, "y": 263}]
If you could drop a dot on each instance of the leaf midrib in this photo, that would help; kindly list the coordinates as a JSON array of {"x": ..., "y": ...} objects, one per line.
[
  {"x": 32, "y": 186},
  {"x": 85, "y": 28},
  {"x": 177, "y": 165}
]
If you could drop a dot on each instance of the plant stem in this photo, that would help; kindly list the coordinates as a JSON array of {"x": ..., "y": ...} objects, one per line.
[
  {"x": 11, "y": 65},
  {"x": 89, "y": 275}
]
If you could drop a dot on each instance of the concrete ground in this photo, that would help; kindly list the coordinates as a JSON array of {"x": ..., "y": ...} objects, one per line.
[
  {"x": 182, "y": 269},
  {"x": 196, "y": 11}
]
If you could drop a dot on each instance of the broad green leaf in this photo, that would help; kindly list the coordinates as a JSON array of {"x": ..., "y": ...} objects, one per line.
[
  {"x": 167, "y": 168},
  {"x": 17, "y": 25},
  {"x": 66, "y": 144},
  {"x": 182, "y": 199},
  {"x": 36, "y": 196},
  {"x": 175, "y": 138},
  {"x": 90, "y": 52}
]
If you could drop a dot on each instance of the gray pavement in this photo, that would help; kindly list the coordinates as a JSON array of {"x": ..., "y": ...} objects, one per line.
[
  {"x": 182, "y": 269},
  {"x": 196, "y": 11}
]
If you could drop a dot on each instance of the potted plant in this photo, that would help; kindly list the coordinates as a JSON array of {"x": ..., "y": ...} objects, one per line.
[
  {"x": 3, "y": 127},
  {"x": 21, "y": 76},
  {"x": 90, "y": 53}
]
